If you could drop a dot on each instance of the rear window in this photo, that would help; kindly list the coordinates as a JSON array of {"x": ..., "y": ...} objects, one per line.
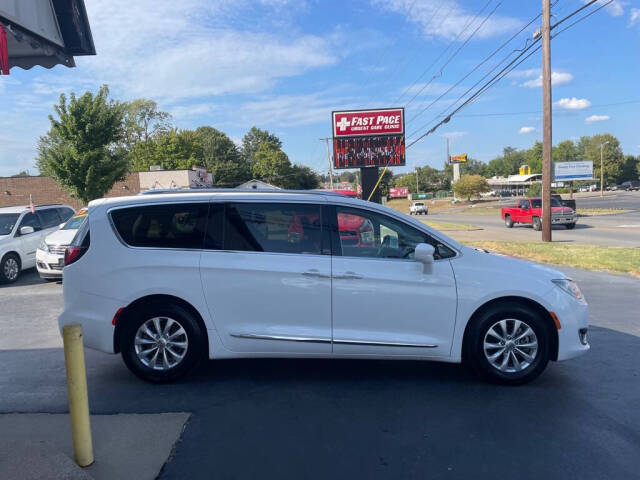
[{"x": 180, "y": 226}]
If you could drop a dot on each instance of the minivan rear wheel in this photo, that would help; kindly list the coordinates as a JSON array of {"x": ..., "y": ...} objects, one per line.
[
  {"x": 161, "y": 342},
  {"x": 509, "y": 343}
]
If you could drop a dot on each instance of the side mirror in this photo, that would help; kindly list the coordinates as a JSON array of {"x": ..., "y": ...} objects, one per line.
[
  {"x": 424, "y": 254},
  {"x": 26, "y": 230}
]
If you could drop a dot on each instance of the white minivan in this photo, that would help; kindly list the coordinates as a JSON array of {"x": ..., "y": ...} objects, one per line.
[
  {"x": 21, "y": 231},
  {"x": 169, "y": 279}
]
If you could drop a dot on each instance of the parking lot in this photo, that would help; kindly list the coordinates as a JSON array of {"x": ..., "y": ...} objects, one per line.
[{"x": 359, "y": 419}]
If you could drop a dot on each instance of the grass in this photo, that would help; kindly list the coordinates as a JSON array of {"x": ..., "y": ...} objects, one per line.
[
  {"x": 588, "y": 257},
  {"x": 479, "y": 211},
  {"x": 593, "y": 212},
  {"x": 448, "y": 226}
]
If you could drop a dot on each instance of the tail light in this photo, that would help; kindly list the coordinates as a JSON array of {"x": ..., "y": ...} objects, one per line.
[{"x": 72, "y": 254}]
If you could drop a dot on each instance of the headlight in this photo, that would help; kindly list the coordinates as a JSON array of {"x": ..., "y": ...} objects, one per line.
[
  {"x": 569, "y": 286},
  {"x": 43, "y": 246}
]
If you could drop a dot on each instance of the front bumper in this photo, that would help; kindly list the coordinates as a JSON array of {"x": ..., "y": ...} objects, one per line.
[
  {"x": 563, "y": 219},
  {"x": 49, "y": 265},
  {"x": 574, "y": 324}
]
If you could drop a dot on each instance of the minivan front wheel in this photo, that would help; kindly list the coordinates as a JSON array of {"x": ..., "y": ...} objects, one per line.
[
  {"x": 161, "y": 342},
  {"x": 9, "y": 268},
  {"x": 509, "y": 343}
]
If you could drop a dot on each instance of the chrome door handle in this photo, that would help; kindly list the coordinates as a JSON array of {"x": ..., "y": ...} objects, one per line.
[
  {"x": 315, "y": 273},
  {"x": 349, "y": 276}
]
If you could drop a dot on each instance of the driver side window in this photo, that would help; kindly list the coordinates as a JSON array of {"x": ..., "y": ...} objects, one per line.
[
  {"x": 372, "y": 235},
  {"x": 31, "y": 220}
]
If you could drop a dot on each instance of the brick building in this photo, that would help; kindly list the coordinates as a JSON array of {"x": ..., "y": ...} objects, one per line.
[{"x": 16, "y": 190}]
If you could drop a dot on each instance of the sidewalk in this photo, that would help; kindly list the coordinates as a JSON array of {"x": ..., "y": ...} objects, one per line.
[{"x": 38, "y": 446}]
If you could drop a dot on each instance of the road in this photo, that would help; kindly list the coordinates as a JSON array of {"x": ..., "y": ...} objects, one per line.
[
  {"x": 360, "y": 419},
  {"x": 618, "y": 230}
]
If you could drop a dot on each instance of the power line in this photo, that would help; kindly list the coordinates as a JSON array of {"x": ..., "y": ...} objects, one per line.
[
  {"x": 477, "y": 67},
  {"x": 534, "y": 112},
  {"x": 505, "y": 71},
  {"x": 464, "y": 29}
]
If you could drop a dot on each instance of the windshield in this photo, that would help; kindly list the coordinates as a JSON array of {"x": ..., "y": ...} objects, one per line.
[
  {"x": 7, "y": 222},
  {"x": 537, "y": 203},
  {"x": 419, "y": 204},
  {"x": 74, "y": 223}
]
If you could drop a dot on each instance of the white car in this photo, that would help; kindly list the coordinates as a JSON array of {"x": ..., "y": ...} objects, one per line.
[
  {"x": 418, "y": 208},
  {"x": 22, "y": 231},
  {"x": 169, "y": 279},
  {"x": 50, "y": 252}
]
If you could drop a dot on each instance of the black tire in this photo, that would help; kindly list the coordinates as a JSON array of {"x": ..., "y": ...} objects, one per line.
[
  {"x": 508, "y": 222},
  {"x": 570, "y": 226},
  {"x": 195, "y": 336},
  {"x": 537, "y": 224},
  {"x": 8, "y": 274},
  {"x": 474, "y": 353}
]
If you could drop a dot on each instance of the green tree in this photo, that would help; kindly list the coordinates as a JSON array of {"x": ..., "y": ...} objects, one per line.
[
  {"x": 252, "y": 141},
  {"x": 301, "y": 177},
  {"x": 271, "y": 164},
  {"x": 630, "y": 168},
  {"x": 23, "y": 173},
  {"x": 143, "y": 121},
  {"x": 533, "y": 157},
  {"x": 470, "y": 185},
  {"x": 612, "y": 156},
  {"x": 175, "y": 149},
  {"x": 83, "y": 149},
  {"x": 222, "y": 158},
  {"x": 565, "y": 152}
]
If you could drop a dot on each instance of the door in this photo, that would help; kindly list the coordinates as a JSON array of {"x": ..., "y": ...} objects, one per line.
[
  {"x": 29, "y": 242},
  {"x": 524, "y": 211},
  {"x": 383, "y": 302},
  {"x": 266, "y": 274}
]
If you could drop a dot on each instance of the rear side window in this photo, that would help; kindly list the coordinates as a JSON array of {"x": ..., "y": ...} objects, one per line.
[
  {"x": 272, "y": 227},
  {"x": 65, "y": 213},
  {"x": 180, "y": 225},
  {"x": 49, "y": 218}
]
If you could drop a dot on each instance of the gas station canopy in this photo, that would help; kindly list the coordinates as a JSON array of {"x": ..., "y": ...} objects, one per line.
[{"x": 43, "y": 32}]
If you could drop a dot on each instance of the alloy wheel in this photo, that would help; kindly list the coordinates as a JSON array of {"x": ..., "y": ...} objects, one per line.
[
  {"x": 510, "y": 345},
  {"x": 161, "y": 343},
  {"x": 11, "y": 269}
]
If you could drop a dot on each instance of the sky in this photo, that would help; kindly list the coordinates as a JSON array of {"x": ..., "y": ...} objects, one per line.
[{"x": 284, "y": 65}]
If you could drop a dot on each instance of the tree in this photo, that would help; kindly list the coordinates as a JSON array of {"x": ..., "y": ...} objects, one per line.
[
  {"x": 222, "y": 158},
  {"x": 144, "y": 121},
  {"x": 470, "y": 185},
  {"x": 301, "y": 177},
  {"x": 271, "y": 164},
  {"x": 613, "y": 159},
  {"x": 253, "y": 139},
  {"x": 82, "y": 150},
  {"x": 565, "y": 152},
  {"x": 533, "y": 157},
  {"x": 23, "y": 173},
  {"x": 630, "y": 168},
  {"x": 175, "y": 149}
]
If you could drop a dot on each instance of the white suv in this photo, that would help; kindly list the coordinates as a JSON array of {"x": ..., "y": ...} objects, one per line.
[
  {"x": 21, "y": 231},
  {"x": 169, "y": 279}
]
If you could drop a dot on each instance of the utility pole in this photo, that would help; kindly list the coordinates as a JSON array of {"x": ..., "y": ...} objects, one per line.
[
  {"x": 326, "y": 140},
  {"x": 602, "y": 169},
  {"x": 415, "y": 166},
  {"x": 546, "y": 121}
]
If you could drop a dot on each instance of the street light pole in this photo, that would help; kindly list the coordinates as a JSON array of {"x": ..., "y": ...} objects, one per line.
[
  {"x": 546, "y": 120},
  {"x": 602, "y": 170}
]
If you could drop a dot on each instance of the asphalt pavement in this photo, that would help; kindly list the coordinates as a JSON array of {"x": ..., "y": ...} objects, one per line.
[
  {"x": 616, "y": 230},
  {"x": 360, "y": 419}
]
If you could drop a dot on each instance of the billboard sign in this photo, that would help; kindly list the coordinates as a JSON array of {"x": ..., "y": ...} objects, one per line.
[
  {"x": 462, "y": 158},
  {"x": 368, "y": 138},
  {"x": 399, "y": 192},
  {"x": 569, "y": 171}
]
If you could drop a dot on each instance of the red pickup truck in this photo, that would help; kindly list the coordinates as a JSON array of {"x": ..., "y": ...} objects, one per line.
[{"x": 529, "y": 211}]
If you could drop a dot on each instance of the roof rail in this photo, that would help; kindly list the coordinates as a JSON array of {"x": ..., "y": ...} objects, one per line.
[
  {"x": 50, "y": 205},
  {"x": 238, "y": 190}
]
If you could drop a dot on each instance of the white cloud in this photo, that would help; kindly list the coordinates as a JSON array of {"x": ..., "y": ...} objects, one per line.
[
  {"x": 557, "y": 78},
  {"x": 634, "y": 17},
  {"x": 445, "y": 19},
  {"x": 452, "y": 135},
  {"x": 573, "y": 103},
  {"x": 614, "y": 8},
  {"x": 149, "y": 48},
  {"x": 527, "y": 129},
  {"x": 596, "y": 118}
]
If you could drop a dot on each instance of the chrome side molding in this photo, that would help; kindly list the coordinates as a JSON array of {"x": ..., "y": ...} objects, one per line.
[{"x": 337, "y": 341}]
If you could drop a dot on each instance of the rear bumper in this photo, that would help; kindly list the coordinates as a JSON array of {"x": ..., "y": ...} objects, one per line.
[{"x": 95, "y": 314}]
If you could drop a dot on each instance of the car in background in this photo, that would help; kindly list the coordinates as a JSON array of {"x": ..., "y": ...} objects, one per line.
[
  {"x": 418, "y": 208},
  {"x": 50, "y": 252},
  {"x": 630, "y": 185},
  {"x": 529, "y": 211},
  {"x": 21, "y": 231}
]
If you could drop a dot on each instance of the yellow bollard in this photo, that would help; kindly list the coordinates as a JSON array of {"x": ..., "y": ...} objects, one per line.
[{"x": 78, "y": 397}]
